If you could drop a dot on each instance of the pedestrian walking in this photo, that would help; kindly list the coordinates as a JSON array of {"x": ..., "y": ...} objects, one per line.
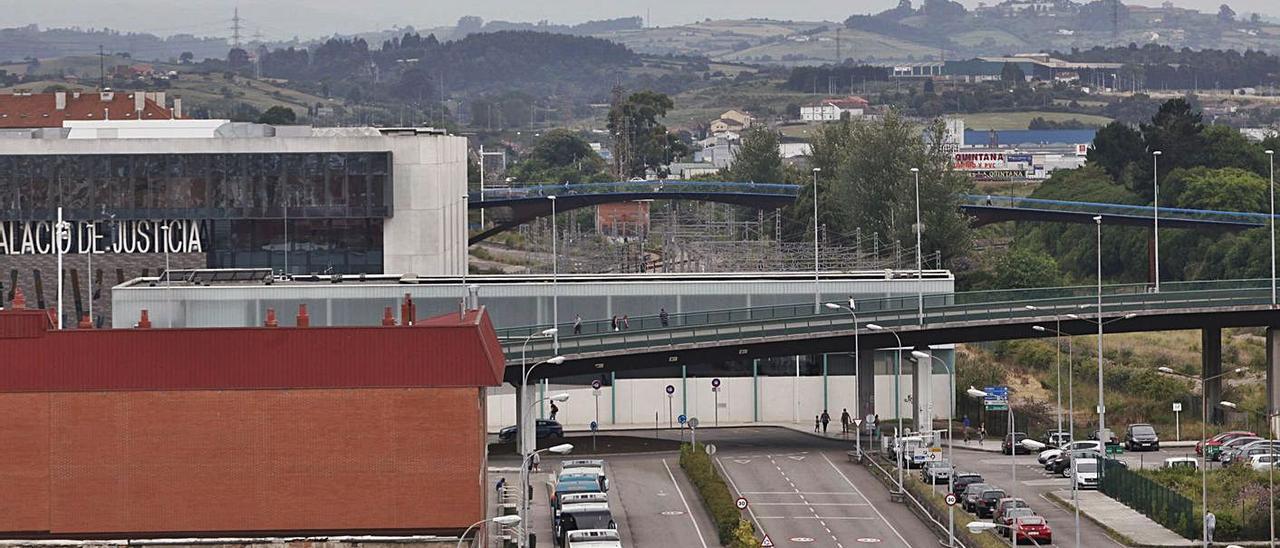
[
  {"x": 536, "y": 462},
  {"x": 664, "y": 317},
  {"x": 844, "y": 421},
  {"x": 877, "y": 425},
  {"x": 826, "y": 418},
  {"x": 989, "y": 199},
  {"x": 966, "y": 428},
  {"x": 577, "y": 324},
  {"x": 982, "y": 432},
  {"x": 613, "y": 322},
  {"x": 1210, "y": 523},
  {"x": 817, "y": 422},
  {"x": 502, "y": 482},
  {"x": 554, "y": 410},
  {"x": 626, "y": 322}
]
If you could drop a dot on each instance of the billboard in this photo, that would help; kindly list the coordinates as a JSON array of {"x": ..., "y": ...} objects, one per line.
[{"x": 978, "y": 161}]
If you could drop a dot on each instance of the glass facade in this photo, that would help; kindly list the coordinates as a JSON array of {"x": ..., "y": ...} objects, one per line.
[
  {"x": 196, "y": 186},
  {"x": 333, "y": 203}
]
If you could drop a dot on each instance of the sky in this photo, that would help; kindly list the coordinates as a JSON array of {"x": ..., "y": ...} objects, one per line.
[{"x": 281, "y": 19}]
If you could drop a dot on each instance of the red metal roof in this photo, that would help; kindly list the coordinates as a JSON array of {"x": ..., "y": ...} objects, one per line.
[
  {"x": 449, "y": 350},
  {"x": 32, "y": 110}
]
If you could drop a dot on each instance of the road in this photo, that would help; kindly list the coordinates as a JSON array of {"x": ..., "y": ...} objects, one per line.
[{"x": 1033, "y": 484}]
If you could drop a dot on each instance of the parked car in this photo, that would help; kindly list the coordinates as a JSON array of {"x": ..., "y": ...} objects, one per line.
[
  {"x": 935, "y": 472},
  {"x": 1033, "y": 528},
  {"x": 586, "y": 515},
  {"x": 1062, "y": 465},
  {"x": 546, "y": 428},
  {"x": 1013, "y": 443},
  {"x": 1006, "y": 504},
  {"x": 1057, "y": 438},
  {"x": 971, "y": 493},
  {"x": 1242, "y": 455},
  {"x": 594, "y": 538},
  {"x": 1181, "y": 462},
  {"x": 571, "y": 484},
  {"x": 1141, "y": 436},
  {"x": 1219, "y": 439},
  {"x": 595, "y": 474},
  {"x": 963, "y": 480},
  {"x": 1053, "y": 454},
  {"x": 1264, "y": 461},
  {"x": 1086, "y": 473},
  {"x": 987, "y": 500},
  {"x": 1216, "y": 453},
  {"x": 1011, "y": 514}
]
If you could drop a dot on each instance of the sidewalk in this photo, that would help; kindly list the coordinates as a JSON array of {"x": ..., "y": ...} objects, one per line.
[
  {"x": 1135, "y": 528},
  {"x": 991, "y": 445}
]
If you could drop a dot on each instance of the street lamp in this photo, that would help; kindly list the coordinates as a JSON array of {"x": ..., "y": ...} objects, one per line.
[
  {"x": 1204, "y": 451},
  {"x": 1057, "y": 356},
  {"x": 1271, "y": 161},
  {"x": 524, "y": 382},
  {"x": 1013, "y": 451},
  {"x": 555, "y": 277},
  {"x": 1155, "y": 178},
  {"x": 524, "y": 431},
  {"x": 1271, "y": 466},
  {"x": 62, "y": 234},
  {"x": 1071, "y": 411},
  {"x": 897, "y": 396},
  {"x": 1102, "y": 406},
  {"x": 976, "y": 527},
  {"x": 951, "y": 511},
  {"x": 500, "y": 520},
  {"x": 816, "y": 291},
  {"x": 856, "y": 379},
  {"x": 919, "y": 258}
]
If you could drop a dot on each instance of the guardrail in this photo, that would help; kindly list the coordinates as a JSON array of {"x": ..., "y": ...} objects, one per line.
[
  {"x": 620, "y": 187},
  {"x": 1100, "y": 208},
  {"x": 900, "y": 311}
]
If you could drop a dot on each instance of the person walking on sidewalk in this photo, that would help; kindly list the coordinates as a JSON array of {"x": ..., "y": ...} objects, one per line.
[
  {"x": 1210, "y": 523},
  {"x": 966, "y": 428},
  {"x": 982, "y": 433},
  {"x": 826, "y": 418},
  {"x": 844, "y": 421},
  {"x": 664, "y": 317},
  {"x": 817, "y": 422},
  {"x": 577, "y": 324}
]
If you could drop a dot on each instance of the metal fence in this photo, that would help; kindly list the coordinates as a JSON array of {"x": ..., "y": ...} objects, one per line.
[{"x": 1160, "y": 503}]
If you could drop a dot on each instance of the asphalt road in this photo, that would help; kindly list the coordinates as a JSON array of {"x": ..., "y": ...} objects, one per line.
[{"x": 1034, "y": 483}]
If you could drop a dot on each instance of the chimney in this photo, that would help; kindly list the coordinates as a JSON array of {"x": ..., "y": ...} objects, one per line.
[
  {"x": 177, "y": 107},
  {"x": 387, "y": 319},
  {"x": 60, "y": 100},
  {"x": 139, "y": 103},
  {"x": 106, "y": 96},
  {"x": 85, "y": 322},
  {"x": 271, "y": 319},
  {"x": 158, "y": 97},
  {"x": 304, "y": 320},
  {"x": 145, "y": 321}
]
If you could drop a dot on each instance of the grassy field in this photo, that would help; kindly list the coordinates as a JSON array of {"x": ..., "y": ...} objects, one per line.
[{"x": 1019, "y": 120}]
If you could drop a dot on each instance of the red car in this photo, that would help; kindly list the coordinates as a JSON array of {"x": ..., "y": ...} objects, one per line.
[
  {"x": 1222, "y": 438},
  {"x": 1032, "y": 528}
]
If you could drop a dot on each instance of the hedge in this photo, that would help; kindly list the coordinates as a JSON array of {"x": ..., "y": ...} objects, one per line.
[{"x": 733, "y": 531}]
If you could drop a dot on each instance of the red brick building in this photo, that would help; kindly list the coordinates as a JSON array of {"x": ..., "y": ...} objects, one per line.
[
  {"x": 36, "y": 110},
  {"x": 265, "y": 431}
]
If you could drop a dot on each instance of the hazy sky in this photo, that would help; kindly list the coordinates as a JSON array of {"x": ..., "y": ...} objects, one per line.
[{"x": 310, "y": 18}]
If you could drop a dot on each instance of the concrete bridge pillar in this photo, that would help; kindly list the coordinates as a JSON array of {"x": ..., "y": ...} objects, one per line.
[
  {"x": 921, "y": 395},
  {"x": 1211, "y": 366},
  {"x": 1273, "y": 379},
  {"x": 866, "y": 383}
]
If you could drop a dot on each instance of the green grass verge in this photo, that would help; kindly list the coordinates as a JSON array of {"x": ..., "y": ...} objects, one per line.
[{"x": 734, "y": 531}]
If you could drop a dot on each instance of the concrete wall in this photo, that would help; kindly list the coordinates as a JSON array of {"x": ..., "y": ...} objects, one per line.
[
  {"x": 427, "y": 234},
  {"x": 633, "y": 402}
]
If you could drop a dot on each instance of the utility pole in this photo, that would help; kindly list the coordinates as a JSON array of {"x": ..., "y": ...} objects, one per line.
[
  {"x": 235, "y": 28},
  {"x": 102, "y": 69}
]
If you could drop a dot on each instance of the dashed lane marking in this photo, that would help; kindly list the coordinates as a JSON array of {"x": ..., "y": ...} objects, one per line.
[
  {"x": 864, "y": 497},
  {"x": 686, "y": 503}
]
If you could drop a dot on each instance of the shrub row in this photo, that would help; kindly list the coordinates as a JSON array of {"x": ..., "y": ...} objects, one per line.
[{"x": 734, "y": 531}]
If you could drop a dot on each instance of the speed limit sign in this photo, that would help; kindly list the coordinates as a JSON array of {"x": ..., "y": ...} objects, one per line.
[
  {"x": 741, "y": 503},
  {"x": 951, "y": 499}
]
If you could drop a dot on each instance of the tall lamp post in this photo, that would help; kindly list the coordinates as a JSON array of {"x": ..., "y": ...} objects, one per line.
[
  {"x": 62, "y": 233},
  {"x": 919, "y": 258},
  {"x": 522, "y": 420},
  {"x": 1271, "y": 186},
  {"x": 852, "y": 308},
  {"x": 555, "y": 277},
  {"x": 1155, "y": 181},
  {"x": 951, "y": 447},
  {"x": 1102, "y": 406},
  {"x": 1013, "y": 442},
  {"x": 1204, "y": 418},
  {"x": 897, "y": 397},
  {"x": 816, "y": 291},
  {"x": 524, "y": 467},
  {"x": 1271, "y": 467},
  {"x": 1071, "y": 421},
  {"x": 1057, "y": 356}
]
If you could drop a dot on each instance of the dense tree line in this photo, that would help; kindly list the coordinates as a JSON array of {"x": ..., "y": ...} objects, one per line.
[
  {"x": 1164, "y": 67},
  {"x": 808, "y": 78}
]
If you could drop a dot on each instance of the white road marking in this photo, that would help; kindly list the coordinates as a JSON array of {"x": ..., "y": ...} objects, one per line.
[
  {"x": 802, "y": 493},
  {"x": 751, "y": 512},
  {"x": 810, "y": 504},
  {"x": 864, "y": 497},
  {"x": 819, "y": 517},
  {"x": 688, "y": 510}
]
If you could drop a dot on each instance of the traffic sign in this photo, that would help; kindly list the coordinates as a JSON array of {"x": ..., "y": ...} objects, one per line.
[
  {"x": 951, "y": 499},
  {"x": 671, "y": 389},
  {"x": 681, "y": 419},
  {"x": 596, "y": 384},
  {"x": 710, "y": 449},
  {"x": 1177, "y": 406},
  {"x": 693, "y": 422},
  {"x": 715, "y": 383},
  {"x": 741, "y": 502},
  {"x": 594, "y": 426},
  {"x": 767, "y": 542}
]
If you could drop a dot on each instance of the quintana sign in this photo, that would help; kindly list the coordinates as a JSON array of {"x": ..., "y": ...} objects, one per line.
[
  {"x": 82, "y": 237},
  {"x": 969, "y": 161}
]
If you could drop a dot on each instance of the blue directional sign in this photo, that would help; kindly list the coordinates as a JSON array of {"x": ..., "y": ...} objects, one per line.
[
  {"x": 681, "y": 419},
  {"x": 997, "y": 398},
  {"x": 594, "y": 426}
]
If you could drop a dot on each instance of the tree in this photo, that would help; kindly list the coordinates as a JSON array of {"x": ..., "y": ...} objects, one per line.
[
  {"x": 1115, "y": 147},
  {"x": 1226, "y": 14},
  {"x": 639, "y": 141},
  {"x": 560, "y": 156},
  {"x": 1176, "y": 131},
  {"x": 759, "y": 159},
  {"x": 1012, "y": 73},
  {"x": 1026, "y": 268},
  {"x": 186, "y": 57},
  {"x": 237, "y": 58},
  {"x": 278, "y": 116}
]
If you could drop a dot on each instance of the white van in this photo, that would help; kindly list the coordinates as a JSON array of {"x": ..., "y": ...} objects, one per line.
[
  {"x": 594, "y": 538},
  {"x": 1086, "y": 473}
]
